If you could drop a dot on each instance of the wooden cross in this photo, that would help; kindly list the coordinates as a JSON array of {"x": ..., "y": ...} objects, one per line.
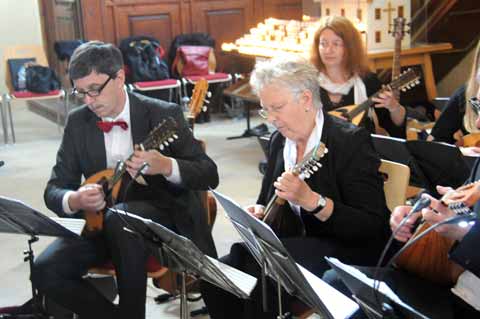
[{"x": 389, "y": 11}]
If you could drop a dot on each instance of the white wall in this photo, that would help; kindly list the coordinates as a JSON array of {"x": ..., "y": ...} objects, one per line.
[{"x": 19, "y": 24}]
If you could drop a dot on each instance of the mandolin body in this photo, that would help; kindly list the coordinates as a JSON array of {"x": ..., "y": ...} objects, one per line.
[
  {"x": 428, "y": 258},
  {"x": 94, "y": 219},
  {"x": 282, "y": 220}
]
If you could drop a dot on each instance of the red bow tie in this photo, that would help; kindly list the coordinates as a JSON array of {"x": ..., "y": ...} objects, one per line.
[{"x": 107, "y": 126}]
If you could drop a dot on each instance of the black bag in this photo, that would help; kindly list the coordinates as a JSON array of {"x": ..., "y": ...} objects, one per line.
[
  {"x": 41, "y": 79},
  {"x": 143, "y": 57}
]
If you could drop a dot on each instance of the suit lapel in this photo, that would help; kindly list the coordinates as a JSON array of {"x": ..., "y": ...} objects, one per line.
[
  {"x": 139, "y": 120},
  {"x": 95, "y": 144}
]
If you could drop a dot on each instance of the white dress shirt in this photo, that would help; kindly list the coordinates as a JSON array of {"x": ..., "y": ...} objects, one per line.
[{"x": 290, "y": 149}]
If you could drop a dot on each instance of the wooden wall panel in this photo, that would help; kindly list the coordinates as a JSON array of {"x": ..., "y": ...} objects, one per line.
[
  {"x": 283, "y": 9},
  {"x": 225, "y": 21},
  {"x": 161, "y": 21}
]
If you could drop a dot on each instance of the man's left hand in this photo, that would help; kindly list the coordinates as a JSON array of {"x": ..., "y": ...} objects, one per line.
[{"x": 157, "y": 163}]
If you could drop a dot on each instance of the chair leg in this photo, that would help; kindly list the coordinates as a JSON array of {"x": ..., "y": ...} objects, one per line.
[
  {"x": 4, "y": 118},
  {"x": 9, "y": 110}
]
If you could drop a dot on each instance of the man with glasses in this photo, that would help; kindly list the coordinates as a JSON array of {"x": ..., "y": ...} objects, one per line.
[{"x": 97, "y": 135}]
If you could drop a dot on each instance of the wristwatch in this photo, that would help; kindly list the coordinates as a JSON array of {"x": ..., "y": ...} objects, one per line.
[{"x": 322, "y": 202}]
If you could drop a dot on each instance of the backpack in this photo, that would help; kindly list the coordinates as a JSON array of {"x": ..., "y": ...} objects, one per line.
[
  {"x": 142, "y": 56},
  {"x": 40, "y": 79}
]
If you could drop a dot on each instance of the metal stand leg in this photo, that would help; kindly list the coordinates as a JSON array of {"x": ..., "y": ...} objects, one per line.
[
  {"x": 36, "y": 298},
  {"x": 281, "y": 315},
  {"x": 184, "y": 314}
]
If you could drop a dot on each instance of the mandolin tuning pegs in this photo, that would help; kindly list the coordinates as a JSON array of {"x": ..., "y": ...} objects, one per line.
[
  {"x": 170, "y": 139},
  {"x": 209, "y": 94},
  {"x": 175, "y": 136},
  {"x": 204, "y": 109},
  {"x": 307, "y": 175},
  {"x": 315, "y": 168},
  {"x": 166, "y": 143},
  {"x": 404, "y": 90},
  {"x": 161, "y": 147}
]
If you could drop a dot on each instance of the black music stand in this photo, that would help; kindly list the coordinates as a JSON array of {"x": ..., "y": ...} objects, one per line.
[
  {"x": 379, "y": 304},
  {"x": 431, "y": 163},
  {"x": 18, "y": 218},
  {"x": 183, "y": 256},
  {"x": 297, "y": 281}
]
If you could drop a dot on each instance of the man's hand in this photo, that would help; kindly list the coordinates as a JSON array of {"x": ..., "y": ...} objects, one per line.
[
  {"x": 157, "y": 163},
  {"x": 295, "y": 190},
  {"x": 405, "y": 232},
  {"x": 257, "y": 211},
  {"x": 438, "y": 212},
  {"x": 89, "y": 197}
]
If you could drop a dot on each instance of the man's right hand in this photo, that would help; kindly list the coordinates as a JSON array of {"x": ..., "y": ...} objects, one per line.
[
  {"x": 405, "y": 232},
  {"x": 257, "y": 211},
  {"x": 89, "y": 197}
]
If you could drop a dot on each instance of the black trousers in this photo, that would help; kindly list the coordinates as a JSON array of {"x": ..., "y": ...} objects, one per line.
[
  {"x": 58, "y": 271},
  {"x": 307, "y": 251}
]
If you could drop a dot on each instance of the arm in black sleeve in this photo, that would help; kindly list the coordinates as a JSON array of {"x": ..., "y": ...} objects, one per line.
[
  {"x": 450, "y": 121},
  {"x": 66, "y": 174},
  {"x": 197, "y": 169},
  {"x": 466, "y": 253},
  {"x": 361, "y": 211}
]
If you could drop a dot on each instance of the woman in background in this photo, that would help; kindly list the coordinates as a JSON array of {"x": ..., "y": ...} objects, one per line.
[
  {"x": 345, "y": 78},
  {"x": 459, "y": 116}
]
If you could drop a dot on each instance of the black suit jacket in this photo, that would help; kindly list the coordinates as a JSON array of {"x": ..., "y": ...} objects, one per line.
[
  {"x": 82, "y": 154},
  {"x": 349, "y": 176}
]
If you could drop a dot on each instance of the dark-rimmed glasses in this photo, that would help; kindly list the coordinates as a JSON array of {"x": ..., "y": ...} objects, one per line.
[{"x": 91, "y": 92}]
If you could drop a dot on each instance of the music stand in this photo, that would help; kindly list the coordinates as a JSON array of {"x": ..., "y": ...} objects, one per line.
[
  {"x": 431, "y": 163},
  {"x": 183, "y": 256},
  {"x": 373, "y": 302},
  {"x": 18, "y": 218},
  {"x": 297, "y": 281}
]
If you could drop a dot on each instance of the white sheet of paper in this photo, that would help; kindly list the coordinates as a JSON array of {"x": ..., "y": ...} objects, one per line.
[{"x": 339, "y": 305}]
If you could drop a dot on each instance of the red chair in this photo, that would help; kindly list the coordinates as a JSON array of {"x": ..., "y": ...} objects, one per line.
[
  {"x": 24, "y": 52},
  {"x": 168, "y": 84}
]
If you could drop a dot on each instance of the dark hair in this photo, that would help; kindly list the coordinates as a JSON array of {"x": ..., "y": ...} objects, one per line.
[{"x": 95, "y": 56}]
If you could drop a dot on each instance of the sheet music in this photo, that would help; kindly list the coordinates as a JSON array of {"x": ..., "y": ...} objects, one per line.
[
  {"x": 75, "y": 225},
  {"x": 339, "y": 305},
  {"x": 242, "y": 280}
]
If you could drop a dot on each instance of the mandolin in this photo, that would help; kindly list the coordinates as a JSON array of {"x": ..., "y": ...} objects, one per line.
[
  {"x": 428, "y": 258},
  {"x": 356, "y": 113},
  {"x": 110, "y": 180},
  {"x": 284, "y": 222},
  {"x": 195, "y": 106},
  {"x": 398, "y": 34}
]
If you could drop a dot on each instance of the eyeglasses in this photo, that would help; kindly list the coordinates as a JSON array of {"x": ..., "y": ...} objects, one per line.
[
  {"x": 475, "y": 104},
  {"x": 91, "y": 92},
  {"x": 273, "y": 110},
  {"x": 335, "y": 44}
]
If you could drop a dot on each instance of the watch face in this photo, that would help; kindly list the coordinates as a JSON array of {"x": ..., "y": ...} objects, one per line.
[{"x": 321, "y": 201}]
